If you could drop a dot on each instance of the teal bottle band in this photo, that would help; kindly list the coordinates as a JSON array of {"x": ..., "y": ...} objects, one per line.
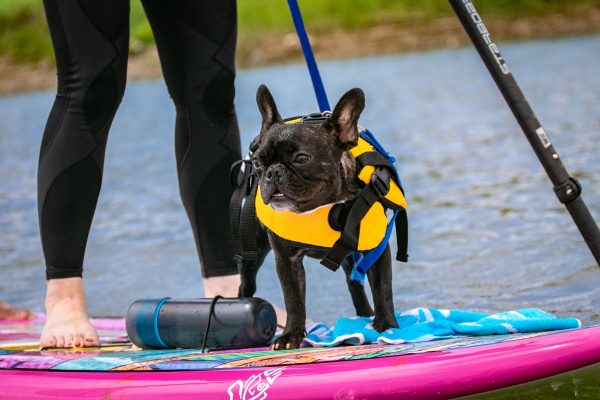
[{"x": 146, "y": 323}]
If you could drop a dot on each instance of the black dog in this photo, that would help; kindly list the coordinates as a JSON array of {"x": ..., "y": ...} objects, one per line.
[{"x": 302, "y": 167}]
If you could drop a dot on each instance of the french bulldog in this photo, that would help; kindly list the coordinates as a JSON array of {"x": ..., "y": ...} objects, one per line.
[{"x": 301, "y": 167}]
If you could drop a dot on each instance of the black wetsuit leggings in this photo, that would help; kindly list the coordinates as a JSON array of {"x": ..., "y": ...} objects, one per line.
[{"x": 196, "y": 42}]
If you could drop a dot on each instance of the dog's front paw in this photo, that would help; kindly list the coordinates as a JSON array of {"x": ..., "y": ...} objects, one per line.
[
  {"x": 288, "y": 341},
  {"x": 382, "y": 324}
]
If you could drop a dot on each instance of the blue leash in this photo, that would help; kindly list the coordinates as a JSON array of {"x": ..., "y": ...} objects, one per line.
[
  {"x": 362, "y": 262},
  {"x": 311, "y": 63}
]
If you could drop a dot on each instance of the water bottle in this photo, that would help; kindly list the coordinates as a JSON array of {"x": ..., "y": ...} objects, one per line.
[{"x": 220, "y": 323}]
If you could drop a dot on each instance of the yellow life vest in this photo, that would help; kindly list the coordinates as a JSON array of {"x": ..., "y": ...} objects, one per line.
[
  {"x": 360, "y": 227},
  {"x": 313, "y": 228}
]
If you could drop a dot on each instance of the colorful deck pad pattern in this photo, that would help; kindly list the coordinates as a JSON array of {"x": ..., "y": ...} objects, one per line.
[{"x": 18, "y": 350}]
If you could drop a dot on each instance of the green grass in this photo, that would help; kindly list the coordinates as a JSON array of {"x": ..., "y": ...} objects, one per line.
[
  {"x": 24, "y": 35},
  {"x": 256, "y": 16}
]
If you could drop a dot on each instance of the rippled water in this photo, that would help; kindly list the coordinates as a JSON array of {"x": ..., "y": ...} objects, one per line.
[{"x": 486, "y": 232}]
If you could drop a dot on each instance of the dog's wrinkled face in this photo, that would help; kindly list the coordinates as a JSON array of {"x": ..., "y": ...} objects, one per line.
[{"x": 304, "y": 166}]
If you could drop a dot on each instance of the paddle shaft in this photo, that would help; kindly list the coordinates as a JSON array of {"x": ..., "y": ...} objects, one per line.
[{"x": 567, "y": 189}]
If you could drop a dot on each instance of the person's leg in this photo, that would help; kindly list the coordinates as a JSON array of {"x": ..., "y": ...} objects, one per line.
[
  {"x": 91, "y": 40},
  {"x": 196, "y": 43},
  {"x": 225, "y": 285}
]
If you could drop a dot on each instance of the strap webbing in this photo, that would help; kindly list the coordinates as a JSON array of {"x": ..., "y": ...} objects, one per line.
[
  {"x": 242, "y": 218},
  {"x": 248, "y": 227},
  {"x": 238, "y": 179},
  {"x": 373, "y": 158},
  {"x": 402, "y": 236},
  {"x": 311, "y": 63},
  {"x": 348, "y": 240}
]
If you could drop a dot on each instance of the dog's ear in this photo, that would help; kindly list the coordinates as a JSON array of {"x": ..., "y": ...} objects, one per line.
[
  {"x": 345, "y": 117},
  {"x": 267, "y": 108}
]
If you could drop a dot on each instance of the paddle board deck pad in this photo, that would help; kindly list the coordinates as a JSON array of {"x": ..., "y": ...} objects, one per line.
[{"x": 438, "y": 369}]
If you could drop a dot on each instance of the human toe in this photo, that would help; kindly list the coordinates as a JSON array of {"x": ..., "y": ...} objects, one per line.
[{"x": 47, "y": 341}]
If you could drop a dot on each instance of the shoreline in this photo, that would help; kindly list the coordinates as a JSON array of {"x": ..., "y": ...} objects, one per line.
[{"x": 284, "y": 48}]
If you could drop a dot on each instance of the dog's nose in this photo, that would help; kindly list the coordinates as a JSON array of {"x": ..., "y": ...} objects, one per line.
[{"x": 274, "y": 172}]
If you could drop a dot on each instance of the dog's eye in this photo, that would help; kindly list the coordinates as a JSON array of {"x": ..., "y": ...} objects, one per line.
[
  {"x": 256, "y": 163},
  {"x": 301, "y": 158}
]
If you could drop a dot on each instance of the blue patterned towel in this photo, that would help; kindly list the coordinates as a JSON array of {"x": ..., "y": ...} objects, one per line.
[{"x": 424, "y": 324}]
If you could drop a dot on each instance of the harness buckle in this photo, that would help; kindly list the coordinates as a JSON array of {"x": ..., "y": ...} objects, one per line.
[
  {"x": 380, "y": 181},
  {"x": 316, "y": 118}
]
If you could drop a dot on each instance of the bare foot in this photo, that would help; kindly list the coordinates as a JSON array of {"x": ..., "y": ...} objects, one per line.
[
  {"x": 67, "y": 322},
  {"x": 13, "y": 313}
]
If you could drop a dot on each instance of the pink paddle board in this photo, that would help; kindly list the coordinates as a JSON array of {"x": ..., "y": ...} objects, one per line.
[{"x": 439, "y": 369}]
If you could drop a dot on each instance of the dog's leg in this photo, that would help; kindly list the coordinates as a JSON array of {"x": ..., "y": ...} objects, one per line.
[
  {"x": 291, "y": 275},
  {"x": 248, "y": 272},
  {"x": 357, "y": 291},
  {"x": 380, "y": 279},
  {"x": 249, "y": 269}
]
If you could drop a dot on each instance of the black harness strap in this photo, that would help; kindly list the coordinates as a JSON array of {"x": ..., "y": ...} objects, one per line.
[
  {"x": 348, "y": 241},
  {"x": 376, "y": 158},
  {"x": 402, "y": 236},
  {"x": 373, "y": 158},
  {"x": 249, "y": 225},
  {"x": 237, "y": 179},
  {"x": 242, "y": 218}
]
